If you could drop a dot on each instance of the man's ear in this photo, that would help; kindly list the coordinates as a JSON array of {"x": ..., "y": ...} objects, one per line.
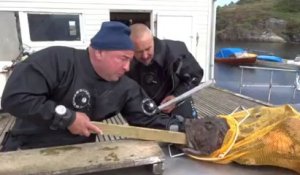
[{"x": 99, "y": 54}]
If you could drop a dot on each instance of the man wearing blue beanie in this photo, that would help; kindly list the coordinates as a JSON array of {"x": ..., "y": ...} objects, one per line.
[
  {"x": 112, "y": 36},
  {"x": 58, "y": 91}
]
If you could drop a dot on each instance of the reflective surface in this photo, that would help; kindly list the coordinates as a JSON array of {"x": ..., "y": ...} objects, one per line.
[
  {"x": 229, "y": 77},
  {"x": 187, "y": 166}
]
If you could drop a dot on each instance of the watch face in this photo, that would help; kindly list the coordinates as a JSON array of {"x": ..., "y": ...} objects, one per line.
[
  {"x": 81, "y": 98},
  {"x": 61, "y": 110}
]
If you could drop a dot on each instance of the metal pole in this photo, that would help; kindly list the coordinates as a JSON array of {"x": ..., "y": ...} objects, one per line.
[
  {"x": 296, "y": 86},
  {"x": 241, "y": 82},
  {"x": 270, "y": 86},
  {"x": 186, "y": 94}
]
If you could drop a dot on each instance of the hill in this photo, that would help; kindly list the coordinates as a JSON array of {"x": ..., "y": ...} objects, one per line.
[{"x": 260, "y": 20}]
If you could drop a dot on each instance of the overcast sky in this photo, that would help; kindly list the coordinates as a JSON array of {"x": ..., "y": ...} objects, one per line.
[{"x": 224, "y": 2}]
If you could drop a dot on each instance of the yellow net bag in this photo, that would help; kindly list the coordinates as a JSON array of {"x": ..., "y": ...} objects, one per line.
[{"x": 261, "y": 136}]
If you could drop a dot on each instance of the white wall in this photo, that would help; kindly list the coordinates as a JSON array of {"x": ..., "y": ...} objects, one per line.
[
  {"x": 9, "y": 45},
  {"x": 94, "y": 12}
]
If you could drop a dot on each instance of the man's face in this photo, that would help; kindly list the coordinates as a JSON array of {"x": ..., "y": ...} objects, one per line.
[
  {"x": 144, "y": 49},
  {"x": 112, "y": 65}
]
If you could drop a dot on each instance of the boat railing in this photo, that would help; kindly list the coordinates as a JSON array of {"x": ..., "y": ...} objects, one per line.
[{"x": 270, "y": 85}]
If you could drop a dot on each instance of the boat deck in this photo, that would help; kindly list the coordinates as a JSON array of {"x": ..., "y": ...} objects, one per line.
[{"x": 112, "y": 155}]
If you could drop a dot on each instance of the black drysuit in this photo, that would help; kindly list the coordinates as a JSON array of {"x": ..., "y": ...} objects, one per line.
[
  {"x": 62, "y": 75},
  {"x": 173, "y": 71}
]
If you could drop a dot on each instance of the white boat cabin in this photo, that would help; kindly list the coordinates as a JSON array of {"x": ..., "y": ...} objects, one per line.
[{"x": 36, "y": 24}]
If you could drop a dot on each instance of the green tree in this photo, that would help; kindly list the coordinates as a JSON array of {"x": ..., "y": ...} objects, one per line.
[
  {"x": 252, "y": 18},
  {"x": 288, "y": 6}
]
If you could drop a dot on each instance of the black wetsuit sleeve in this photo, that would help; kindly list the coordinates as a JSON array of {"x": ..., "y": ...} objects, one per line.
[
  {"x": 135, "y": 116},
  {"x": 28, "y": 91},
  {"x": 190, "y": 73}
]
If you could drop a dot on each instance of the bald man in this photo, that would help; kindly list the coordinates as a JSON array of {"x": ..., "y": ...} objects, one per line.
[{"x": 164, "y": 69}]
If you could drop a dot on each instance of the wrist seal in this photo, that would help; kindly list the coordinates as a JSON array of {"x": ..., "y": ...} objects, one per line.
[{"x": 63, "y": 117}]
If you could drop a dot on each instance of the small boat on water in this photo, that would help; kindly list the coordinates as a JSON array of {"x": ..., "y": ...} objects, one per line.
[
  {"x": 235, "y": 56},
  {"x": 272, "y": 58},
  {"x": 266, "y": 56},
  {"x": 296, "y": 61}
]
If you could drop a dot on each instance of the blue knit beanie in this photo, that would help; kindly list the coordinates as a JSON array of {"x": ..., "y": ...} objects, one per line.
[{"x": 112, "y": 36}]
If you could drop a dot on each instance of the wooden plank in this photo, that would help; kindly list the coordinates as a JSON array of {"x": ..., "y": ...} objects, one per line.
[
  {"x": 81, "y": 158},
  {"x": 142, "y": 133},
  {"x": 106, "y": 135},
  {"x": 115, "y": 120},
  {"x": 119, "y": 120},
  {"x": 6, "y": 122}
]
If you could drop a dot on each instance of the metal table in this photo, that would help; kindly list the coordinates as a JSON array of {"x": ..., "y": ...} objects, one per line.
[{"x": 187, "y": 166}]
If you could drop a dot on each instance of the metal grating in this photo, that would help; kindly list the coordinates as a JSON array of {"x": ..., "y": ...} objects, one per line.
[
  {"x": 213, "y": 101},
  {"x": 118, "y": 119}
]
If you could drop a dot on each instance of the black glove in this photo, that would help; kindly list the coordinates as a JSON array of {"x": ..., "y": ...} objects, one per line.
[
  {"x": 176, "y": 123},
  {"x": 204, "y": 135}
]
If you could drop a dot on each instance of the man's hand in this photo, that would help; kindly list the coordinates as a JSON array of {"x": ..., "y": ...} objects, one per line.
[
  {"x": 83, "y": 126},
  {"x": 169, "y": 108}
]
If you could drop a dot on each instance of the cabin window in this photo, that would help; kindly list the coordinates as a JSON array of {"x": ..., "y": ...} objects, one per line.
[
  {"x": 130, "y": 18},
  {"x": 54, "y": 27}
]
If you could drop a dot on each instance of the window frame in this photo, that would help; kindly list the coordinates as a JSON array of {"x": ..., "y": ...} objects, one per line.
[{"x": 25, "y": 32}]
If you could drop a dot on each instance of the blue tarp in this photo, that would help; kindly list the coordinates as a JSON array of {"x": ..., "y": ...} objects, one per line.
[
  {"x": 227, "y": 52},
  {"x": 269, "y": 58}
]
